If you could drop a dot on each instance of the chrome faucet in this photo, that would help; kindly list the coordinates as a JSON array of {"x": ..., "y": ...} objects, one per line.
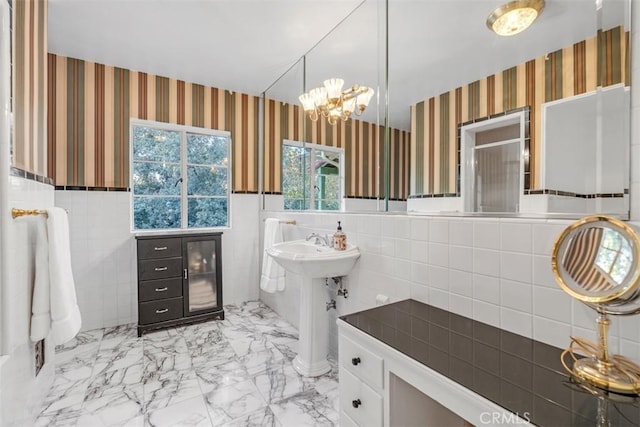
[{"x": 320, "y": 240}]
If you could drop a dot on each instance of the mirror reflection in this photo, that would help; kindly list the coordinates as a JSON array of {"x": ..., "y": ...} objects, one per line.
[
  {"x": 595, "y": 260},
  {"x": 598, "y": 259},
  {"x": 335, "y": 162},
  {"x": 536, "y": 123}
]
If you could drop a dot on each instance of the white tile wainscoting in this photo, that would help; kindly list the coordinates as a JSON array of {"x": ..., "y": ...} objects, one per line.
[
  {"x": 494, "y": 270},
  {"x": 104, "y": 261},
  {"x": 21, "y": 392}
]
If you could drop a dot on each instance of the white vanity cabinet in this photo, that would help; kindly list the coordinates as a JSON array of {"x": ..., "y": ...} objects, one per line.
[
  {"x": 361, "y": 373},
  {"x": 381, "y": 386}
]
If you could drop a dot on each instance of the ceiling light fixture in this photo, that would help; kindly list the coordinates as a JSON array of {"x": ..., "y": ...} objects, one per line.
[
  {"x": 514, "y": 17},
  {"x": 334, "y": 104}
]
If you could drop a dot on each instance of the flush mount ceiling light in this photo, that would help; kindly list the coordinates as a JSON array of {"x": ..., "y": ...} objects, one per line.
[
  {"x": 333, "y": 103},
  {"x": 514, "y": 17}
]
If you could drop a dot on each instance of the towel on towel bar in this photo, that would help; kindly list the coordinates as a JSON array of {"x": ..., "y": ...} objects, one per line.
[
  {"x": 54, "y": 305},
  {"x": 272, "y": 278}
]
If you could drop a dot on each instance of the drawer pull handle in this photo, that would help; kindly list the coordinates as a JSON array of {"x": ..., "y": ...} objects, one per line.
[
  {"x": 164, "y": 310},
  {"x": 161, "y": 289},
  {"x": 355, "y": 361},
  {"x": 356, "y": 403},
  {"x": 161, "y": 268},
  {"x": 163, "y": 248}
]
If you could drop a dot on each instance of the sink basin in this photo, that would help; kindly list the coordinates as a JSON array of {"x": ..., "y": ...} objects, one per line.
[{"x": 315, "y": 261}]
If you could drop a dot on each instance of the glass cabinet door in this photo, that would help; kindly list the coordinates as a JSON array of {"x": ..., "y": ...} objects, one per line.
[{"x": 202, "y": 275}]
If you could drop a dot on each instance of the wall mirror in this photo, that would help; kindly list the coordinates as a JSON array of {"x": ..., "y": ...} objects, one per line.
[
  {"x": 595, "y": 260},
  {"x": 529, "y": 125},
  {"x": 311, "y": 163},
  {"x": 535, "y": 123}
]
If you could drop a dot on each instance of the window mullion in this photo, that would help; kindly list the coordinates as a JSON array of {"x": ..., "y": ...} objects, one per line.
[
  {"x": 312, "y": 179},
  {"x": 183, "y": 185}
]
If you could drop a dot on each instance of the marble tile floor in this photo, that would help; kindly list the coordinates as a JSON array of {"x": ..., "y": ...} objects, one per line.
[{"x": 235, "y": 372}]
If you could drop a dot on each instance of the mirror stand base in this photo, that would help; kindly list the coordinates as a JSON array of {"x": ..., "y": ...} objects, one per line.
[{"x": 616, "y": 374}]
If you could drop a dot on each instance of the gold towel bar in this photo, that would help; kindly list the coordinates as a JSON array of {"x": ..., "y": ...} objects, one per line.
[
  {"x": 289, "y": 221},
  {"x": 15, "y": 213}
]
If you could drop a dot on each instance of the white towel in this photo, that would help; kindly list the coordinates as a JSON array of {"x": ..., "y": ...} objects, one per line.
[
  {"x": 272, "y": 279},
  {"x": 61, "y": 312},
  {"x": 40, "y": 304}
]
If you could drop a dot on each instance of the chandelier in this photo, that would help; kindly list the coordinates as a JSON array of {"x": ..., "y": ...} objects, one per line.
[{"x": 334, "y": 104}]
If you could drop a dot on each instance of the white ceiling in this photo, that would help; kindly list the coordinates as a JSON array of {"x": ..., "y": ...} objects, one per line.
[
  {"x": 245, "y": 45},
  {"x": 240, "y": 45}
]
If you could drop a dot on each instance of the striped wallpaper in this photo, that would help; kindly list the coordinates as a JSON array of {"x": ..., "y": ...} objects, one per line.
[
  {"x": 89, "y": 109},
  {"x": 363, "y": 144},
  {"x": 567, "y": 72},
  {"x": 90, "y": 106},
  {"x": 29, "y": 20}
]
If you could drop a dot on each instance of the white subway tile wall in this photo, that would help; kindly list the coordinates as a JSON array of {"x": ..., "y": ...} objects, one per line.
[
  {"x": 497, "y": 271},
  {"x": 22, "y": 392},
  {"x": 102, "y": 256}
]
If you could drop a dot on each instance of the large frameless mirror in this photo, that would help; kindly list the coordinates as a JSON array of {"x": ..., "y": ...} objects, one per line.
[
  {"x": 476, "y": 123},
  {"x": 535, "y": 123},
  {"x": 330, "y": 158}
]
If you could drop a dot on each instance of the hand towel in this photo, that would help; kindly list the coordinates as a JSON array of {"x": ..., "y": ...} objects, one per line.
[
  {"x": 63, "y": 311},
  {"x": 272, "y": 279},
  {"x": 40, "y": 304}
]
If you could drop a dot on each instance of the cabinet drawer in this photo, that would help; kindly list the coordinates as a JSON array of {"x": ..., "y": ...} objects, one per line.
[
  {"x": 159, "y": 268},
  {"x": 346, "y": 421},
  {"x": 159, "y": 248},
  {"x": 359, "y": 401},
  {"x": 361, "y": 362},
  {"x": 150, "y": 290},
  {"x": 159, "y": 311}
]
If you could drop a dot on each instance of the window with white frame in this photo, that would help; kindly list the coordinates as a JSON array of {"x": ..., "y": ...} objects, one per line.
[
  {"x": 312, "y": 176},
  {"x": 180, "y": 177}
]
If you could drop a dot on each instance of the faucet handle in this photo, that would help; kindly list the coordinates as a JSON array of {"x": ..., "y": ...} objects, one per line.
[{"x": 329, "y": 238}]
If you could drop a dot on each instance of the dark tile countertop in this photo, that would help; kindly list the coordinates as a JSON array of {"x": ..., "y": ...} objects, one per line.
[{"x": 520, "y": 374}]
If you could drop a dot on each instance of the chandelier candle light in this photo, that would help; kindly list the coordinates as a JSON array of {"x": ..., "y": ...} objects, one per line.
[{"x": 332, "y": 103}]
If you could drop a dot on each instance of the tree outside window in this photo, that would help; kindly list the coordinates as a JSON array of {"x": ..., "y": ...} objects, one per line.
[
  {"x": 311, "y": 176},
  {"x": 180, "y": 177}
]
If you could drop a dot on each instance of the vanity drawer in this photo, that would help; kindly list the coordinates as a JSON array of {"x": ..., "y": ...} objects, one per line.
[
  {"x": 159, "y": 268},
  {"x": 361, "y": 362},
  {"x": 346, "y": 421},
  {"x": 159, "y": 311},
  {"x": 359, "y": 401},
  {"x": 159, "y": 248},
  {"x": 151, "y": 290}
]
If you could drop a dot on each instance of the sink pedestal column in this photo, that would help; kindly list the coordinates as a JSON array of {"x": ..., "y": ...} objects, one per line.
[{"x": 311, "y": 360}]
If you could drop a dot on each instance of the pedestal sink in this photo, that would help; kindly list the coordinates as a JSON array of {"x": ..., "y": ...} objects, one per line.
[{"x": 314, "y": 263}]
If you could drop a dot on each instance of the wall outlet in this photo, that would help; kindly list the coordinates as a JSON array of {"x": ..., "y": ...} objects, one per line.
[{"x": 382, "y": 299}]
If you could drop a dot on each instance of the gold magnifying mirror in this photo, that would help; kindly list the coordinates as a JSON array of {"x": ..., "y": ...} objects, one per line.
[{"x": 595, "y": 260}]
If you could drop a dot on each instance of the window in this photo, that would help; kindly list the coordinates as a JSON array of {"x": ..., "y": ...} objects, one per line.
[
  {"x": 614, "y": 255},
  {"x": 492, "y": 163},
  {"x": 497, "y": 177},
  {"x": 311, "y": 176},
  {"x": 180, "y": 176}
]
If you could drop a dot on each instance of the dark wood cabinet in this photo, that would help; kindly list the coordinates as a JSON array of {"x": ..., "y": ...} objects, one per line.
[{"x": 179, "y": 279}]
